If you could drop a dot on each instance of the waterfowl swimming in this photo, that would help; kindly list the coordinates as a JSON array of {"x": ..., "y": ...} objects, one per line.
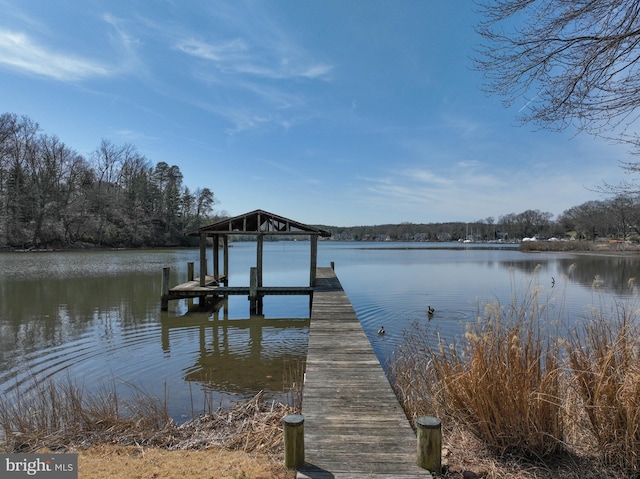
[
  {"x": 381, "y": 330},
  {"x": 430, "y": 310}
]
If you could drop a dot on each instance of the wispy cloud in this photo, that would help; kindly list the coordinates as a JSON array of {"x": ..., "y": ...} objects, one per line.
[
  {"x": 20, "y": 52},
  {"x": 236, "y": 56},
  {"x": 126, "y": 46},
  {"x": 251, "y": 41},
  {"x": 426, "y": 177},
  {"x": 222, "y": 52}
]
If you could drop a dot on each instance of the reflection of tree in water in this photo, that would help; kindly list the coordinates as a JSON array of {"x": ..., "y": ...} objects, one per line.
[
  {"x": 610, "y": 274},
  {"x": 526, "y": 266},
  {"x": 52, "y": 311}
]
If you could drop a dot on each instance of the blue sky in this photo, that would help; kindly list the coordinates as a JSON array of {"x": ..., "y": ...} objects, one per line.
[{"x": 327, "y": 112}]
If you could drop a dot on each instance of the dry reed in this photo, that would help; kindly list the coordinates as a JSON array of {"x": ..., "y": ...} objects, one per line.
[
  {"x": 526, "y": 388},
  {"x": 64, "y": 416},
  {"x": 502, "y": 381},
  {"x": 604, "y": 360}
]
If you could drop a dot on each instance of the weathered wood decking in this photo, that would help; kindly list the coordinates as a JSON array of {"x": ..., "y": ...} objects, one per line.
[
  {"x": 354, "y": 426},
  {"x": 213, "y": 287}
]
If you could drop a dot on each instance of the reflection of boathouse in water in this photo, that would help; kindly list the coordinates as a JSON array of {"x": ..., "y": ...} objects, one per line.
[
  {"x": 256, "y": 224},
  {"x": 240, "y": 355}
]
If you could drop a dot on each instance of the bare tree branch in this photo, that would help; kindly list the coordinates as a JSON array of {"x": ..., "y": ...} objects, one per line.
[{"x": 573, "y": 62}]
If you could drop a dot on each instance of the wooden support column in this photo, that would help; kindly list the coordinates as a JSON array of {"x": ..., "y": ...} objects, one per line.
[
  {"x": 429, "y": 435},
  {"x": 225, "y": 241},
  {"x": 259, "y": 258},
  {"x": 216, "y": 258},
  {"x": 203, "y": 257},
  {"x": 314, "y": 260}
]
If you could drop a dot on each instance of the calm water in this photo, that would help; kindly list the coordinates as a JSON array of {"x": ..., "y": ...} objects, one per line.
[{"x": 95, "y": 316}]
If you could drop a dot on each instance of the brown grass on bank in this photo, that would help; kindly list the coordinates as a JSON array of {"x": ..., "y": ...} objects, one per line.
[
  {"x": 536, "y": 404},
  {"x": 131, "y": 462},
  {"x": 604, "y": 362},
  {"x": 63, "y": 416},
  {"x": 502, "y": 382},
  {"x": 135, "y": 438},
  {"x": 581, "y": 246},
  {"x": 117, "y": 439}
]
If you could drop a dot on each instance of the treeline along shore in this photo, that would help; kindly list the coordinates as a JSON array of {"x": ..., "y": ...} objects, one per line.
[{"x": 52, "y": 197}]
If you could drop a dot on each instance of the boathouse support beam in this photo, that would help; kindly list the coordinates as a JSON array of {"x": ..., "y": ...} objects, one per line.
[
  {"x": 259, "y": 254},
  {"x": 225, "y": 242},
  {"x": 313, "y": 260},
  {"x": 216, "y": 258},
  {"x": 203, "y": 258}
]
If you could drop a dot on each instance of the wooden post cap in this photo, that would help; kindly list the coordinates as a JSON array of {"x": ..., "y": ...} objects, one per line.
[
  {"x": 429, "y": 422},
  {"x": 293, "y": 419}
]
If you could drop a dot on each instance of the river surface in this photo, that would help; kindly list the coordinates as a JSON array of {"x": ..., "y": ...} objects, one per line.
[{"x": 95, "y": 316}]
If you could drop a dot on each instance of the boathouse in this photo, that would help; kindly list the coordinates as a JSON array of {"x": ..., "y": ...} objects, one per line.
[{"x": 256, "y": 224}]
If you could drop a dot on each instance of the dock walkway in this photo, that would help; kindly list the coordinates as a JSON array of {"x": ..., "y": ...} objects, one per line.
[{"x": 354, "y": 425}]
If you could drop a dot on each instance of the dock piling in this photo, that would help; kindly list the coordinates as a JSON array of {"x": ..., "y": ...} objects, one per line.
[
  {"x": 293, "y": 440},
  {"x": 429, "y": 435}
]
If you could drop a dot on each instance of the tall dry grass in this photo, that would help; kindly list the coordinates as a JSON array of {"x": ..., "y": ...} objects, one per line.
[
  {"x": 51, "y": 413},
  {"x": 603, "y": 358},
  {"x": 502, "y": 380},
  {"x": 63, "y": 415},
  {"x": 523, "y": 382}
]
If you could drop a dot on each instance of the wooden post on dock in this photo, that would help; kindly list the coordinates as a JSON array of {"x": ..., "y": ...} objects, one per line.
[
  {"x": 190, "y": 271},
  {"x": 293, "y": 441},
  {"x": 429, "y": 435},
  {"x": 164, "y": 299}
]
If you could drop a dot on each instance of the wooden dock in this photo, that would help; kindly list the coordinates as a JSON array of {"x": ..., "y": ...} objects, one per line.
[
  {"x": 354, "y": 426},
  {"x": 216, "y": 287}
]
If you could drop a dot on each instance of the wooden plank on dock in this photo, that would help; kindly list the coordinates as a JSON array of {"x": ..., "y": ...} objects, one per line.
[
  {"x": 192, "y": 289},
  {"x": 354, "y": 426}
]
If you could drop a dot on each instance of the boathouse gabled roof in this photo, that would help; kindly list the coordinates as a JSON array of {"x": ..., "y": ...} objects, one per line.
[{"x": 259, "y": 222}]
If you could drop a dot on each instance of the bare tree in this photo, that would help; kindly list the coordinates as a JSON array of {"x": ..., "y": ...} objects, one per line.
[
  {"x": 569, "y": 62},
  {"x": 587, "y": 221}
]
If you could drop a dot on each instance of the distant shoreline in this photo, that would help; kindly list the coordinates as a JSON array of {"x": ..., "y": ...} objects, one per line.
[{"x": 612, "y": 248}]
